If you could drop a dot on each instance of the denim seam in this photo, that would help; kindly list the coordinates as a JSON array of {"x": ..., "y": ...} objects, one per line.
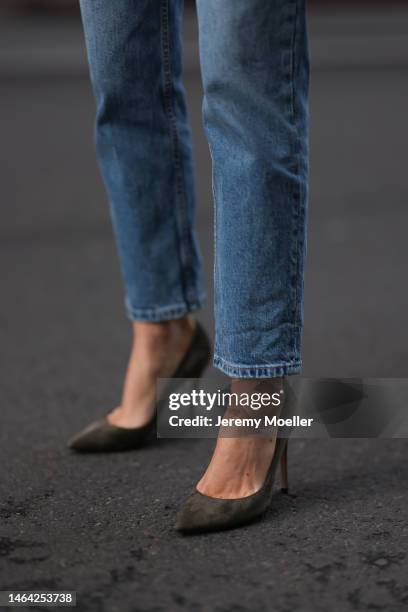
[
  {"x": 296, "y": 194},
  {"x": 216, "y": 298},
  {"x": 257, "y": 371},
  {"x": 180, "y": 209}
]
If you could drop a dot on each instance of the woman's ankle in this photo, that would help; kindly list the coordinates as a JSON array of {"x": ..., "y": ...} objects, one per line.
[{"x": 164, "y": 331}]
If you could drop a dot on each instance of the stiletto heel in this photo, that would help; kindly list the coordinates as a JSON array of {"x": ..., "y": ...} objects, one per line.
[{"x": 284, "y": 469}]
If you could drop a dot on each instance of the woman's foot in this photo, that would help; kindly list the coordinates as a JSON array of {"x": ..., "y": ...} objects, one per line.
[
  {"x": 178, "y": 349},
  {"x": 237, "y": 487},
  {"x": 157, "y": 351},
  {"x": 239, "y": 465}
]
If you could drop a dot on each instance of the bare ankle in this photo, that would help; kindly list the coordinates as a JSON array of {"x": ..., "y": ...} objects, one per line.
[
  {"x": 164, "y": 330},
  {"x": 248, "y": 385}
]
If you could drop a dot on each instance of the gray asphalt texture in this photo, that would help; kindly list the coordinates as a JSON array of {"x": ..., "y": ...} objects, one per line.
[{"x": 103, "y": 525}]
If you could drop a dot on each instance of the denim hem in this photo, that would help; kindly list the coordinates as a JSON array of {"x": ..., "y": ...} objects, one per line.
[
  {"x": 163, "y": 313},
  {"x": 257, "y": 371}
]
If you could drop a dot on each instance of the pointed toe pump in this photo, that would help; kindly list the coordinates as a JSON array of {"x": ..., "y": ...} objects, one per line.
[
  {"x": 201, "y": 513},
  {"x": 101, "y": 437}
]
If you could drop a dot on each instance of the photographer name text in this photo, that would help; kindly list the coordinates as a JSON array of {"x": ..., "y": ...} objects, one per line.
[{"x": 254, "y": 422}]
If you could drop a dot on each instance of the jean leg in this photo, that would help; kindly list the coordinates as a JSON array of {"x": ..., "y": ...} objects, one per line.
[
  {"x": 144, "y": 151},
  {"x": 254, "y": 58}
]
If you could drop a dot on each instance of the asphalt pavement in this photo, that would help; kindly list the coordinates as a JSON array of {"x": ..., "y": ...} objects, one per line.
[{"x": 103, "y": 525}]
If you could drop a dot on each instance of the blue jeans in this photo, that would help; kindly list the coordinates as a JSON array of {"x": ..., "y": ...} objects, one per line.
[{"x": 255, "y": 71}]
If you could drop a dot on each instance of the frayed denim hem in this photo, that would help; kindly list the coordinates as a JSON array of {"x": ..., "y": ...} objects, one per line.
[
  {"x": 163, "y": 313},
  {"x": 257, "y": 371}
]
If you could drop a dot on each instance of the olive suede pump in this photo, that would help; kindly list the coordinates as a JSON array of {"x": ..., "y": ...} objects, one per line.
[
  {"x": 101, "y": 436},
  {"x": 201, "y": 513}
]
